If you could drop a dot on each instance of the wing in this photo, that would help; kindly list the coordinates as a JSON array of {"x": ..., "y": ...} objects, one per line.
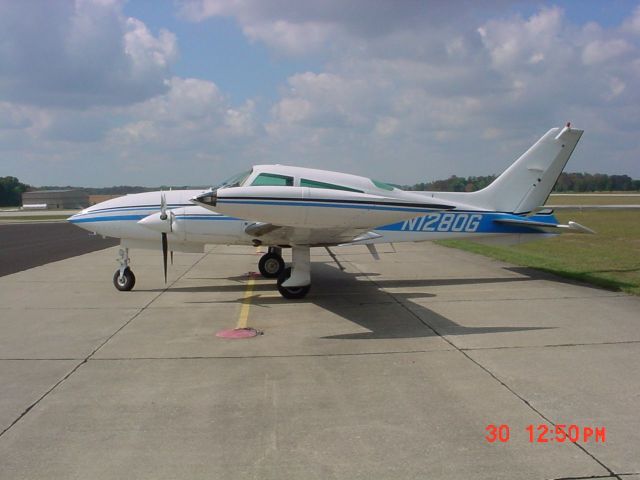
[{"x": 270, "y": 234}]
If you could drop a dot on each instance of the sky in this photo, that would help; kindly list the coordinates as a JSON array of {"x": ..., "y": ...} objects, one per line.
[{"x": 152, "y": 92}]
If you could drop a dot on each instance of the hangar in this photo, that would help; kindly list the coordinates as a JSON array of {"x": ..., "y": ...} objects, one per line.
[{"x": 55, "y": 199}]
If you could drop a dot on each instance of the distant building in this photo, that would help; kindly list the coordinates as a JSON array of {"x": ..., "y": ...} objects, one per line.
[{"x": 56, "y": 199}]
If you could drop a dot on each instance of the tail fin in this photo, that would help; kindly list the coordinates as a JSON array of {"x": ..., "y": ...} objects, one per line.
[{"x": 527, "y": 183}]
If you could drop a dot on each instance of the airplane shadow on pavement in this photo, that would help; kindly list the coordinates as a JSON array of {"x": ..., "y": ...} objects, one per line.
[{"x": 366, "y": 301}]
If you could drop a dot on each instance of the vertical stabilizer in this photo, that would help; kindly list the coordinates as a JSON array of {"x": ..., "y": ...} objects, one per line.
[{"x": 527, "y": 183}]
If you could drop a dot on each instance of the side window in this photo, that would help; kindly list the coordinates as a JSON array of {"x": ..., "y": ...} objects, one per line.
[
  {"x": 272, "y": 180},
  {"x": 314, "y": 184},
  {"x": 383, "y": 185}
]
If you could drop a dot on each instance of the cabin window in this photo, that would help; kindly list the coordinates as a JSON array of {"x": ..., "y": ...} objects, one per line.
[
  {"x": 383, "y": 186},
  {"x": 272, "y": 180},
  {"x": 235, "y": 181},
  {"x": 314, "y": 184}
]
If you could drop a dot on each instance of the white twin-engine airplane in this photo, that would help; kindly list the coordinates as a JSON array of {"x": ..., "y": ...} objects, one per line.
[{"x": 290, "y": 207}]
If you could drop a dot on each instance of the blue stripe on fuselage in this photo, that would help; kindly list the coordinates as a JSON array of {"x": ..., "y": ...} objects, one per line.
[
  {"x": 141, "y": 207},
  {"x": 465, "y": 222},
  {"x": 88, "y": 218},
  {"x": 113, "y": 218}
]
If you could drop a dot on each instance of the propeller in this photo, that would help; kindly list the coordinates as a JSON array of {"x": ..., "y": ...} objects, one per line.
[
  {"x": 164, "y": 216},
  {"x": 163, "y": 206},
  {"x": 164, "y": 255},
  {"x": 161, "y": 222}
]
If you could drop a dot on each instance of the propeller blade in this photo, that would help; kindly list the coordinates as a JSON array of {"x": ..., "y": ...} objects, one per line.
[
  {"x": 165, "y": 248},
  {"x": 163, "y": 206}
]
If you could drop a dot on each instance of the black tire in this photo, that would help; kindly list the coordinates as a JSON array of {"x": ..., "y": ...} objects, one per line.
[
  {"x": 271, "y": 265},
  {"x": 127, "y": 281},
  {"x": 291, "y": 293}
]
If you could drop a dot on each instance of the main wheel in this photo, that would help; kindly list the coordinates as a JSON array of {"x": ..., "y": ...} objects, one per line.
[
  {"x": 126, "y": 282},
  {"x": 291, "y": 293},
  {"x": 271, "y": 265}
]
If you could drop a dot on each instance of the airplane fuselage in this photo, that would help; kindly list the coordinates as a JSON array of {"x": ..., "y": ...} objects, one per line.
[{"x": 195, "y": 226}]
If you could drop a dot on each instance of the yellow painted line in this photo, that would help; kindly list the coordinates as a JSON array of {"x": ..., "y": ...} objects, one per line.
[{"x": 246, "y": 304}]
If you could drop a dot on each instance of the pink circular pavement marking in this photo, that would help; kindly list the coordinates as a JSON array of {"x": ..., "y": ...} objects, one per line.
[{"x": 235, "y": 333}]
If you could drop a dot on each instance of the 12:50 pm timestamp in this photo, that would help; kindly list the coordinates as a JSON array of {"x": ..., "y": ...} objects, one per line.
[{"x": 544, "y": 433}]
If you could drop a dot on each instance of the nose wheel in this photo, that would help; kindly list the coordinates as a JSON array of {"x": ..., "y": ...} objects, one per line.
[
  {"x": 271, "y": 264},
  {"x": 124, "y": 279}
]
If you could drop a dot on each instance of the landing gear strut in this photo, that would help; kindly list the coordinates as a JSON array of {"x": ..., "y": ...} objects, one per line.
[
  {"x": 271, "y": 264},
  {"x": 124, "y": 279},
  {"x": 295, "y": 282}
]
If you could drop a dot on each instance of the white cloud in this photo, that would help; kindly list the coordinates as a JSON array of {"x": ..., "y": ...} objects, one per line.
[
  {"x": 599, "y": 51},
  {"x": 632, "y": 24},
  {"x": 617, "y": 87},
  {"x": 291, "y": 38},
  {"x": 515, "y": 41},
  {"x": 296, "y": 27},
  {"x": 193, "y": 114},
  {"x": 80, "y": 54},
  {"x": 146, "y": 51},
  {"x": 491, "y": 87},
  {"x": 404, "y": 91}
]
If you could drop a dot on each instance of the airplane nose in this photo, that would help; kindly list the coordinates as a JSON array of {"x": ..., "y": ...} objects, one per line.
[{"x": 81, "y": 214}]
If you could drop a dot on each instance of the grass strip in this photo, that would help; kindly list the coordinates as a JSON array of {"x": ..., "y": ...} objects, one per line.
[{"x": 610, "y": 259}]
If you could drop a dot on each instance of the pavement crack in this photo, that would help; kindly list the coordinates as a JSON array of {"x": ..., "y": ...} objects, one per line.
[
  {"x": 551, "y": 345},
  {"x": 583, "y": 477},
  {"x": 517, "y": 299},
  {"x": 28, "y": 409},
  {"x": 88, "y": 357},
  {"x": 485, "y": 369},
  {"x": 587, "y": 477}
]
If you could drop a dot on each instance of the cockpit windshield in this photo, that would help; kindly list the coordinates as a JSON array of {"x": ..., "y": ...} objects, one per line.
[{"x": 234, "y": 181}]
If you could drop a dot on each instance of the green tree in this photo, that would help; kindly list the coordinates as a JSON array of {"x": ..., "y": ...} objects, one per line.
[{"x": 11, "y": 191}]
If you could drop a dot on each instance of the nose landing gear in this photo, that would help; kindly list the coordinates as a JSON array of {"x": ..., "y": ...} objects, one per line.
[{"x": 124, "y": 279}]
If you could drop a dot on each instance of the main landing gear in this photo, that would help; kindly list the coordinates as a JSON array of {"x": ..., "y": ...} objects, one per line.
[
  {"x": 271, "y": 264},
  {"x": 295, "y": 281},
  {"x": 124, "y": 279}
]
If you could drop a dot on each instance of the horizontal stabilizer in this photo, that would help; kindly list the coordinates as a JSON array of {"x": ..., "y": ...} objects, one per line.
[
  {"x": 571, "y": 226},
  {"x": 364, "y": 238},
  {"x": 579, "y": 228}
]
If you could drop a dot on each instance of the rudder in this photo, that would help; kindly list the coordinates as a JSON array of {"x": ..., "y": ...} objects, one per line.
[{"x": 527, "y": 183}]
